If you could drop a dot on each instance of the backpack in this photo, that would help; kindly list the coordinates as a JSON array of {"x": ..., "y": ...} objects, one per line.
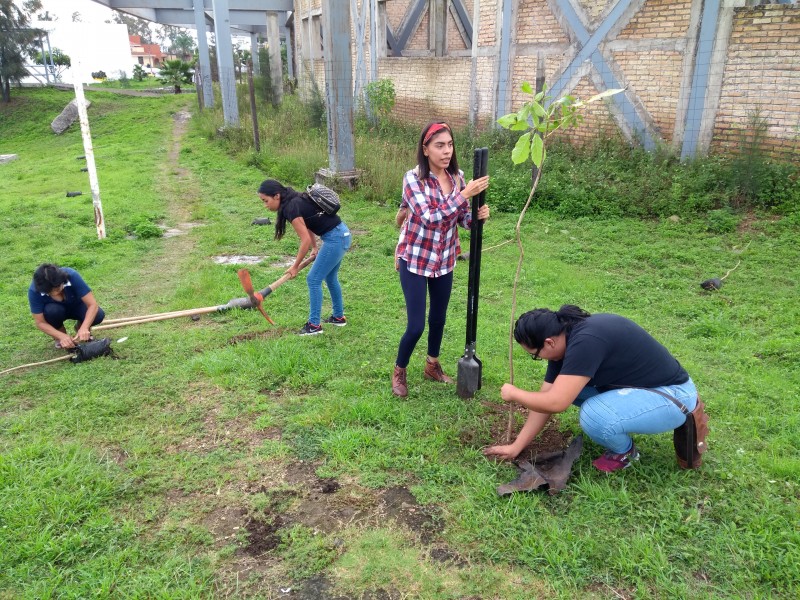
[{"x": 324, "y": 197}]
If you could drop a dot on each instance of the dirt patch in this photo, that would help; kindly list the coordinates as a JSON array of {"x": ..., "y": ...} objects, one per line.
[
  {"x": 226, "y": 524},
  {"x": 284, "y": 263},
  {"x": 359, "y": 231},
  {"x": 269, "y": 334},
  {"x": 399, "y": 504},
  {"x": 262, "y": 536},
  {"x": 317, "y": 587},
  {"x": 549, "y": 440},
  {"x": 237, "y": 259}
]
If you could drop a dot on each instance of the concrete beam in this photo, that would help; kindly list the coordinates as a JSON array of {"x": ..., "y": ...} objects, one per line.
[{"x": 233, "y": 5}]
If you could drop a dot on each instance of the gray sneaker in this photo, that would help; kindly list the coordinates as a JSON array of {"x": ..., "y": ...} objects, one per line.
[{"x": 338, "y": 321}]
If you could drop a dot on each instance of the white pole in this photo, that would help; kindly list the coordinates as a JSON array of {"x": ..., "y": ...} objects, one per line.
[{"x": 99, "y": 221}]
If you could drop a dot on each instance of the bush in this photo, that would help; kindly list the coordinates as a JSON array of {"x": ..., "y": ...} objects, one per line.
[
  {"x": 381, "y": 99},
  {"x": 144, "y": 228},
  {"x": 99, "y": 75}
]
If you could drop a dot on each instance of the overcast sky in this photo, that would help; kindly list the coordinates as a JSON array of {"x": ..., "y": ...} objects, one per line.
[{"x": 91, "y": 12}]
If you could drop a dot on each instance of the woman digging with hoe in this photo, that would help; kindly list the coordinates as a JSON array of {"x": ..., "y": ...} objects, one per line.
[
  {"x": 620, "y": 377},
  {"x": 308, "y": 221},
  {"x": 436, "y": 201}
]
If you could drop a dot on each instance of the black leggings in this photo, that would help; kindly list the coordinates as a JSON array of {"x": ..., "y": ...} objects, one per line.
[
  {"x": 414, "y": 287},
  {"x": 56, "y": 313}
]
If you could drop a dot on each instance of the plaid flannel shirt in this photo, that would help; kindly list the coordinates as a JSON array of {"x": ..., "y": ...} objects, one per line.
[{"x": 429, "y": 237}]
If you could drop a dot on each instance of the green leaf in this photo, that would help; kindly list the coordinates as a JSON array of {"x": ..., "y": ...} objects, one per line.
[
  {"x": 537, "y": 151},
  {"x": 520, "y": 126},
  {"x": 507, "y": 121},
  {"x": 522, "y": 149},
  {"x": 526, "y": 87},
  {"x": 539, "y": 110}
]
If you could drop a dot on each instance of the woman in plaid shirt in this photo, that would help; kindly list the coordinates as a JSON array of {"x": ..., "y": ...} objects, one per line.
[{"x": 436, "y": 200}]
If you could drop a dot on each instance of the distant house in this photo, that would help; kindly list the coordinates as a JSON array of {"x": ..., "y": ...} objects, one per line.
[{"x": 147, "y": 55}]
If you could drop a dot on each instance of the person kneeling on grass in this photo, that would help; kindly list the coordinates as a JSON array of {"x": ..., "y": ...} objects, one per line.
[
  {"x": 622, "y": 380},
  {"x": 58, "y": 294}
]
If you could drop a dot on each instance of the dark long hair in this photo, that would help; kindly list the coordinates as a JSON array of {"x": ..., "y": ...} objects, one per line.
[
  {"x": 422, "y": 160},
  {"x": 535, "y": 326},
  {"x": 270, "y": 187},
  {"x": 48, "y": 277}
]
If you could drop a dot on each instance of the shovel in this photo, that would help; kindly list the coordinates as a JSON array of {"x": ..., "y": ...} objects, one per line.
[{"x": 470, "y": 368}]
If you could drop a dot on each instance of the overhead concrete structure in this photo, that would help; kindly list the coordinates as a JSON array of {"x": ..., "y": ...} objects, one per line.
[{"x": 224, "y": 18}]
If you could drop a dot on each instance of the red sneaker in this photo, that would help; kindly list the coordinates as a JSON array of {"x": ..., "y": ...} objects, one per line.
[{"x": 610, "y": 462}]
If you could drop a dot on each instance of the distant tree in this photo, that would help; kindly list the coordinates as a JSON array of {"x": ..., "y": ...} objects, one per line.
[
  {"x": 46, "y": 16},
  {"x": 56, "y": 62},
  {"x": 183, "y": 46},
  {"x": 166, "y": 35},
  {"x": 176, "y": 73},
  {"x": 76, "y": 17},
  {"x": 17, "y": 40},
  {"x": 136, "y": 26}
]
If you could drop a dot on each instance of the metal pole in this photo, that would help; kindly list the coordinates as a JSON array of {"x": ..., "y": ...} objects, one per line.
[{"x": 253, "y": 112}]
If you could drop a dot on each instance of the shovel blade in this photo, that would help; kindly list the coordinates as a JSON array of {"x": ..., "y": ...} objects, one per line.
[{"x": 468, "y": 379}]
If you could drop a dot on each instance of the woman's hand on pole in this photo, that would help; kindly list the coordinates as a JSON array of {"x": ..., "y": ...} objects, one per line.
[
  {"x": 483, "y": 212},
  {"x": 475, "y": 187}
]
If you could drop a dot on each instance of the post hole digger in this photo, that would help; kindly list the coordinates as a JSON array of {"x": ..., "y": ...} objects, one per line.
[
  {"x": 81, "y": 353},
  {"x": 254, "y": 300},
  {"x": 102, "y": 347},
  {"x": 470, "y": 368}
]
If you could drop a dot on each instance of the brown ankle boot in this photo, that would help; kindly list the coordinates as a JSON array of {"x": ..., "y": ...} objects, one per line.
[
  {"x": 399, "y": 385},
  {"x": 433, "y": 371}
]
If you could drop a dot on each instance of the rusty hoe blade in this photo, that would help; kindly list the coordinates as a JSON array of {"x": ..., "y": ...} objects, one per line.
[{"x": 256, "y": 299}]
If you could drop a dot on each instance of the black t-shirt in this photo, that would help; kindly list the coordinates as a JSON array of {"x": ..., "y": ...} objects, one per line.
[
  {"x": 318, "y": 221},
  {"x": 614, "y": 351}
]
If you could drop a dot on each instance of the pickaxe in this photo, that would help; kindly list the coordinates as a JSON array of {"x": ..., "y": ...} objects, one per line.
[{"x": 257, "y": 298}]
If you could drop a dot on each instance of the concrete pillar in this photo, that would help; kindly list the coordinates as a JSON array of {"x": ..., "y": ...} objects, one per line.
[
  {"x": 289, "y": 49},
  {"x": 254, "y": 53},
  {"x": 473, "y": 70},
  {"x": 275, "y": 63},
  {"x": 227, "y": 75},
  {"x": 338, "y": 86},
  {"x": 438, "y": 21},
  {"x": 373, "y": 40},
  {"x": 506, "y": 16},
  {"x": 202, "y": 53}
]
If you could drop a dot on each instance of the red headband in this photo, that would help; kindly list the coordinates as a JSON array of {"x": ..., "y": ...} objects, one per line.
[{"x": 435, "y": 128}]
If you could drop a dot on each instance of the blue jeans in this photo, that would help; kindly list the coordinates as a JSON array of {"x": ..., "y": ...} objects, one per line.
[
  {"x": 610, "y": 417},
  {"x": 326, "y": 268},
  {"x": 55, "y": 313}
]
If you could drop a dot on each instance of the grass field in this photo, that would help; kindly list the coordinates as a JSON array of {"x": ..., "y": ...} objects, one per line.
[{"x": 229, "y": 458}]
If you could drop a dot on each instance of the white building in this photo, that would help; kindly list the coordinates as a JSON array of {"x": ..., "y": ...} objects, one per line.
[{"x": 91, "y": 47}]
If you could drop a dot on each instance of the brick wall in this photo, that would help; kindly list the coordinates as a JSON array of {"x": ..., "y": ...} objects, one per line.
[
  {"x": 659, "y": 19},
  {"x": 649, "y": 56},
  {"x": 762, "y": 73}
]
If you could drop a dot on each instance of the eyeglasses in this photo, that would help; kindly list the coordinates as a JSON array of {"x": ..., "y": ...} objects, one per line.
[{"x": 535, "y": 355}]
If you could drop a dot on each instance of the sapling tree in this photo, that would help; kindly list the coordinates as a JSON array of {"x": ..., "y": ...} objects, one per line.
[
  {"x": 538, "y": 118},
  {"x": 176, "y": 73}
]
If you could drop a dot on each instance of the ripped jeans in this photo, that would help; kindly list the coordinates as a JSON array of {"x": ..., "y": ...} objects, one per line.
[{"x": 609, "y": 418}]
